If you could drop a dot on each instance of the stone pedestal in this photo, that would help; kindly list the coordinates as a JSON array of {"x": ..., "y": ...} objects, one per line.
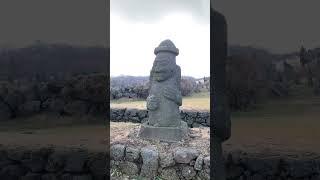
[{"x": 168, "y": 134}]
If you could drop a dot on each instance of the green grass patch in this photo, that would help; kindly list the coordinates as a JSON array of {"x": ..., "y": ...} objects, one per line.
[{"x": 197, "y": 101}]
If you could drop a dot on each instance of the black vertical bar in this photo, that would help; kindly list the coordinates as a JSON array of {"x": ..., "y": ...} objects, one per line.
[{"x": 220, "y": 126}]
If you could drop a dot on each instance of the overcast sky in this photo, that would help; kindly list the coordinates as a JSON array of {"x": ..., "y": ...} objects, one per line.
[
  {"x": 137, "y": 28},
  {"x": 277, "y": 25},
  {"x": 82, "y": 22}
]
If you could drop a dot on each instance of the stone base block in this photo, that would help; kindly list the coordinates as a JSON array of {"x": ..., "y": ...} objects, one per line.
[{"x": 168, "y": 134}]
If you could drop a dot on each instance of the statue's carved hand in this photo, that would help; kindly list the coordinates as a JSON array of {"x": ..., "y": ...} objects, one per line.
[
  {"x": 170, "y": 93},
  {"x": 152, "y": 103}
]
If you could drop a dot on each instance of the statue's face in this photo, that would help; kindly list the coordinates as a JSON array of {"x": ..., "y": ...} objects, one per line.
[{"x": 163, "y": 69}]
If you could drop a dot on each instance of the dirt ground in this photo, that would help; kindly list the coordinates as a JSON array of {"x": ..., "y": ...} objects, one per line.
[
  {"x": 127, "y": 133},
  {"x": 90, "y": 137},
  {"x": 265, "y": 141}
]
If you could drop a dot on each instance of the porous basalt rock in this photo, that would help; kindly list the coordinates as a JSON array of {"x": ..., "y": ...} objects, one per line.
[
  {"x": 185, "y": 155},
  {"x": 150, "y": 162},
  {"x": 166, "y": 160},
  {"x": 117, "y": 152},
  {"x": 132, "y": 154}
]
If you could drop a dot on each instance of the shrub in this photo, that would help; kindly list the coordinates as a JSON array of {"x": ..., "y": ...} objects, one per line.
[
  {"x": 246, "y": 82},
  {"x": 188, "y": 86}
]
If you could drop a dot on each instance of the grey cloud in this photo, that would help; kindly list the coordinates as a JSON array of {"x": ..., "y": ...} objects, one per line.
[
  {"x": 152, "y": 10},
  {"x": 71, "y": 21},
  {"x": 280, "y": 26}
]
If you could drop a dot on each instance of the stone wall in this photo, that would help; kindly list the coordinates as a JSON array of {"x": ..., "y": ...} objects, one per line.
[
  {"x": 78, "y": 96},
  {"x": 138, "y": 87},
  {"x": 193, "y": 118},
  {"x": 74, "y": 164},
  {"x": 241, "y": 165},
  {"x": 186, "y": 163},
  {"x": 51, "y": 164},
  {"x": 148, "y": 162}
]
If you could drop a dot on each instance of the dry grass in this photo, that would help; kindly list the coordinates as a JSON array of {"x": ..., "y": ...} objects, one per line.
[
  {"x": 127, "y": 133},
  {"x": 286, "y": 125},
  {"x": 47, "y": 130}
]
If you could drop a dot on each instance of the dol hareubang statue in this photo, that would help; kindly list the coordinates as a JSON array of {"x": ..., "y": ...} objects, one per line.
[{"x": 164, "y": 98}]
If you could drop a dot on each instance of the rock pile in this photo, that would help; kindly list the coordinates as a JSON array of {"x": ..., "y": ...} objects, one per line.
[{"x": 183, "y": 163}]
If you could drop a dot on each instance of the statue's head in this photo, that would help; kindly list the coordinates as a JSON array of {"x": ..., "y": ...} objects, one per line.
[
  {"x": 163, "y": 69},
  {"x": 164, "y": 65}
]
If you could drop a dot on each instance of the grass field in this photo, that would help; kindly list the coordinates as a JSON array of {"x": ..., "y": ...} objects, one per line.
[
  {"x": 199, "y": 101},
  {"x": 280, "y": 125},
  {"x": 47, "y": 130}
]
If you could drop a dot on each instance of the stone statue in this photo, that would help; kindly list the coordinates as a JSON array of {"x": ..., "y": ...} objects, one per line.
[{"x": 164, "y": 98}]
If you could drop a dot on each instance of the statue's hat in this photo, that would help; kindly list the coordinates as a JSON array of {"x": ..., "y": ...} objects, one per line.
[{"x": 166, "y": 46}]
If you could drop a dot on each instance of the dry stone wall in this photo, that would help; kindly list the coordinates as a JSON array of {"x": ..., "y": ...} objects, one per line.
[
  {"x": 193, "y": 118},
  {"x": 51, "y": 164},
  {"x": 78, "y": 96},
  {"x": 19, "y": 163},
  {"x": 148, "y": 162},
  {"x": 187, "y": 163},
  {"x": 240, "y": 165}
]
